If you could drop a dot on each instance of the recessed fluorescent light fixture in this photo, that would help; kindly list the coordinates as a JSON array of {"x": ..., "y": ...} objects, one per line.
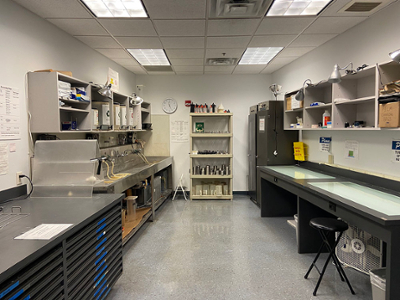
[
  {"x": 297, "y": 8},
  {"x": 116, "y": 8},
  {"x": 259, "y": 56},
  {"x": 150, "y": 57}
]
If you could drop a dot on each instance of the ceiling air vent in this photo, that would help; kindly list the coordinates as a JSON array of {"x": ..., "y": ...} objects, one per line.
[
  {"x": 238, "y": 8},
  {"x": 158, "y": 68},
  {"x": 363, "y": 6},
  {"x": 221, "y": 61}
]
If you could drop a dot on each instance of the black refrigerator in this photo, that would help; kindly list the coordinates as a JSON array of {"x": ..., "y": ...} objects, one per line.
[{"x": 269, "y": 144}]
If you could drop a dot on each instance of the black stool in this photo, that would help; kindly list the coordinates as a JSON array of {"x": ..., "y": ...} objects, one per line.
[{"x": 325, "y": 227}]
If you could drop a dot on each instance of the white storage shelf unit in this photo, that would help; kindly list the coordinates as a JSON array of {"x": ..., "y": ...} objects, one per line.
[
  {"x": 217, "y": 135},
  {"x": 355, "y": 98},
  {"x": 47, "y": 114}
]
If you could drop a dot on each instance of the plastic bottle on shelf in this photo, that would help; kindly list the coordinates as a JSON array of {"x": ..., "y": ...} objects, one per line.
[{"x": 326, "y": 117}]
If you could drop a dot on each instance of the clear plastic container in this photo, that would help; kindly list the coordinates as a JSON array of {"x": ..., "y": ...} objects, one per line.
[{"x": 378, "y": 282}]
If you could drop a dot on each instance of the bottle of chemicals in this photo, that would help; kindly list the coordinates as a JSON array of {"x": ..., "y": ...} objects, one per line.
[{"x": 326, "y": 117}]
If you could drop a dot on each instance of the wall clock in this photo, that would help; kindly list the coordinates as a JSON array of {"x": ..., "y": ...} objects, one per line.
[{"x": 169, "y": 105}]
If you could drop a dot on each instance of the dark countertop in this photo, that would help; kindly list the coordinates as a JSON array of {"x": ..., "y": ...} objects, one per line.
[{"x": 16, "y": 254}]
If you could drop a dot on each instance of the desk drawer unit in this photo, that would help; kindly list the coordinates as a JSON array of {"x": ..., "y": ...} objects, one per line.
[
  {"x": 94, "y": 257},
  {"x": 38, "y": 280}
]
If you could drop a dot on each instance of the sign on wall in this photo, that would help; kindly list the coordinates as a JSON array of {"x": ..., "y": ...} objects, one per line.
[
  {"x": 325, "y": 144},
  {"x": 396, "y": 151},
  {"x": 9, "y": 114},
  {"x": 113, "y": 78}
]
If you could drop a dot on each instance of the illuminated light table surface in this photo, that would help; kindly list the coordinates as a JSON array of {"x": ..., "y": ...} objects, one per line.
[{"x": 287, "y": 190}]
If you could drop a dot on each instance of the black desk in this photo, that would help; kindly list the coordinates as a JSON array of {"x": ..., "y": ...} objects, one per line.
[{"x": 284, "y": 195}]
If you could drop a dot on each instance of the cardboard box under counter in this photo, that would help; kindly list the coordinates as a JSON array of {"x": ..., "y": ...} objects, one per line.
[{"x": 389, "y": 114}]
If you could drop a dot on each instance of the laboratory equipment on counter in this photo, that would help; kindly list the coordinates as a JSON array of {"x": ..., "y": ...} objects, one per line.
[
  {"x": 269, "y": 144},
  {"x": 117, "y": 115}
]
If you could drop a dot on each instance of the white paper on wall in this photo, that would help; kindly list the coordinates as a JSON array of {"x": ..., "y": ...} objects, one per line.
[
  {"x": 9, "y": 113},
  {"x": 3, "y": 158},
  {"x": 113, "y": 78},
  {"x": 179, "y": 131},
  {"x": 351, "y": 149}
]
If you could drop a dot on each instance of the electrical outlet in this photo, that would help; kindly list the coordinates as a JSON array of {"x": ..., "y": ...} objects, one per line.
[{"x": 18, "y": 180}]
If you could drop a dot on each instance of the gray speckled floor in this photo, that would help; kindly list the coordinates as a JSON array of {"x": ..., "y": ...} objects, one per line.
[{"x": 224, "y": 250}]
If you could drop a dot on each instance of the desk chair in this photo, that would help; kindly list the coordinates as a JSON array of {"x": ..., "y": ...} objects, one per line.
[
  {"x": 180, "y": 187},
  {"x": 325, "y": 227}
]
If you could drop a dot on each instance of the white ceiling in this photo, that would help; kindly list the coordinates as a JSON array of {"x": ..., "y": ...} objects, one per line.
[{"x": 189, "y": 36}]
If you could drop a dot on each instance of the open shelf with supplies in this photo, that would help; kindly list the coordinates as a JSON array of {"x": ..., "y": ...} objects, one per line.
[
  {"x": 60, "y": 103},
  {"x": 51, "y": 106},
  {"x": 352, "y": 103},
  {"x": 211, "y": 156}
]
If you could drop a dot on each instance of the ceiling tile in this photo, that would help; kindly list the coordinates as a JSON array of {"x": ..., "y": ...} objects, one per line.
[
  {"x": 295, "y": 51},
  {"x": 56, "y": 8},
  {"x": 232, "y": 27},
  {"x": 140, "y": 42},
  {"x": 186, "y": 61},
  {"x": 333, "y": 24},
  {"x": 335, "y": 6},
  {"x": 176, "y": 9},
  {"x": 229, "y": 53},
  {"x": 189, "y": 73},
  {"x": 99, "y": 41},
  {"x": 126, "y": 62},
  {"x": 188, "y": 68},
  {"x": 119, "y": 27},
  {"x": 185, "y": 53},
  {"x": 219, "y": 68},
  {"x": 180, "y": 27},
  {"x": 228, "y": 42},
  {"x": 182, "y": 42},
  {"x": 272, "y": 40},
  {"x": 249, "y": 69},
  {"x": 312, "y": 40},
  {"x": 114, "y": 53},
  {"x": 283, "y": 25},
  {"x": 277, "y": 63},
  {"x": 79, "y": 26},
  {"x": 136, "y": 70}
]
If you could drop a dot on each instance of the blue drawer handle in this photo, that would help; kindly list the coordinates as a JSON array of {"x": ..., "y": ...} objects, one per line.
[
  {"x": 27, "y": 297},
  {"x": 105, "y": 296},
  {"x": 9, "y": 289},
  {"x": 101, "y": 243},
  {"x": 101, "y": 221},
  {"x": 101, "y": 272},
  {"x": 101, "y": 228},
  {"x": 101, "y": 293},
  {"x": 102, "y": 234},
  {"x": 101, "y": 250},
  {"x": 17, "y": 295},
  {"x": 98, "y": 282},
  {"x": 100, "y": 288},
  {"x": 100, "y": 258},
  {"x": 100, "y": 265}
]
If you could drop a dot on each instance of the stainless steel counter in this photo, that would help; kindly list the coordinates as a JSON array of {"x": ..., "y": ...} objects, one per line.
[{"x": 138, "y": 172}]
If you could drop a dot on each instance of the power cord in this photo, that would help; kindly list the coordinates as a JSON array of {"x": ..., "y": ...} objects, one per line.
[
  {"x": 30, "y": 181},
  {"x": 18, "y": 198}
]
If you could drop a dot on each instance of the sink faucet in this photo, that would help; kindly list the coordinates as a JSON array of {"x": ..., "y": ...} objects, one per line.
[{"x": 99, "y": 160}]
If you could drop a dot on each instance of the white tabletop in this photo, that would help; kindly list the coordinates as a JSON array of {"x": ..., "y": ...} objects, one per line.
[
  {"x": 382, "y": 202},
  {"x": 298, "y": 173}
]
